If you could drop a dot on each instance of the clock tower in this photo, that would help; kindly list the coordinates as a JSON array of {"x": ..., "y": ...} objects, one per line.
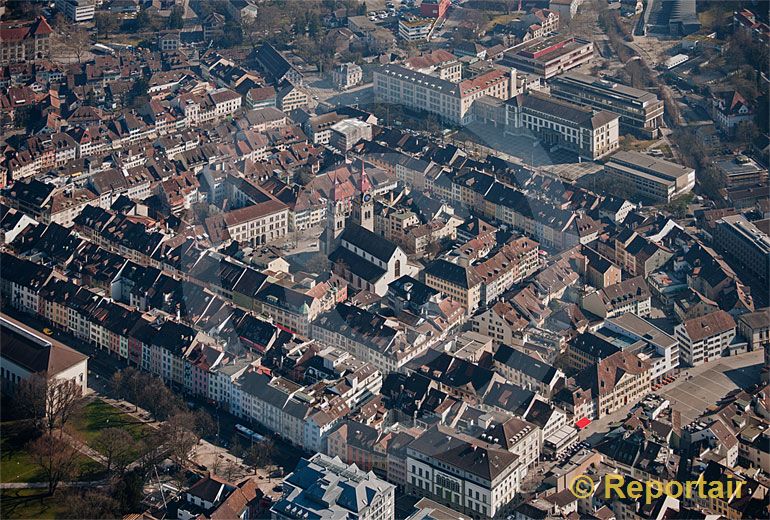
[
  {"x": 363, "y": 206},
  {"x": 337, "y": 209}
]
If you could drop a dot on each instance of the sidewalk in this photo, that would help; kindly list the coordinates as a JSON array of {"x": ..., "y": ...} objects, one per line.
[
  {"x": 85, "y": 449},
  {"x": 44, "y": 485}
]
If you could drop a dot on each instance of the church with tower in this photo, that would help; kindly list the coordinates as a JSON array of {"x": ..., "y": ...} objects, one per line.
[
  {"x": 345, "y": 205},
  {"x": 366, "y": 260}
]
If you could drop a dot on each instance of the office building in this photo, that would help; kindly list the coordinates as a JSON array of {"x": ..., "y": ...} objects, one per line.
[
  {"x": 740, "y": 171},
  {"x": 415, "y": 29},
  {"x": 548, "y": 57},
  {"x": 649, "y": 178},
  {"x": 640, "y": 111},
  {"x": 348, "y": 132},
  {"x": 745, "y": 246},
  {"x": 77, "y": 10}
]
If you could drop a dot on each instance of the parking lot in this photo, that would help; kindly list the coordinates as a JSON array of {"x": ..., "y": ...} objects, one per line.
[{"x": 704, "y": 386}]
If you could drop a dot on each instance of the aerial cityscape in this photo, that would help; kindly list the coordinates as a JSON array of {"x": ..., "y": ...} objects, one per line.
[{"x": 377, "y": 260}]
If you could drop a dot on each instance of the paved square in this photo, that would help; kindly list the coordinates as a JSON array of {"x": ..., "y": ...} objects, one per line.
[{"x": 711, "y": 383}]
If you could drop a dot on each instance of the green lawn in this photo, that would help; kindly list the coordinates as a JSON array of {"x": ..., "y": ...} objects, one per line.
[
  {"x": 16, "y": 465},
  {"x": 30, "y": 503},
  {"x": 99, "y": 415}
]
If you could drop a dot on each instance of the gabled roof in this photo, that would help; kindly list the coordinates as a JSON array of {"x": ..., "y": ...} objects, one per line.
[
  {"x": 530, "y": 366},
  {"x": 370, "y": 242}
]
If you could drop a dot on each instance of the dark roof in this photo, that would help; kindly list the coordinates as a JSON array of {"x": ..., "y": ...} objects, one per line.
[
  {"x": 456, "y": 274},
  {"x": 509, "y": 397},
  {"x": 594, "y": 346},
  {"x": 370, "y": 242},
  {"x": 23, "y": 272},
  {"x": 359, "y": 325},
  {"x": 465, "y": 454},
  {"x": 364, "y": 269},
  {"x": 35, "y": 353},
  {"x": 408, "y": 288},
  {"x": 273, "y": 61},
  {"x": 518, "y": 360},
  {"x": 32, "y": 194}
]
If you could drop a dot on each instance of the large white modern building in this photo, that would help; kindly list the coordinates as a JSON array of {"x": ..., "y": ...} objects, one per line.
[
  {"x": 77, "y": 10},
  {"x": 649, "y": 178}
]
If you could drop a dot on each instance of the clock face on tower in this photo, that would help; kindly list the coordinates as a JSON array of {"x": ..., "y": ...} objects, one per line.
[{"x": 367, "y": 197}]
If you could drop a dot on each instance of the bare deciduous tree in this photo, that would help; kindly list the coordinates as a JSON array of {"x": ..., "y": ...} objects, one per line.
[
  {"x": 179, "y": 437},
  {"x": 50, "y": 403},
  {"x": 260, "y": 453},
  {"x": 117, "y": 446},
  {"x": 56, "y": 458}
]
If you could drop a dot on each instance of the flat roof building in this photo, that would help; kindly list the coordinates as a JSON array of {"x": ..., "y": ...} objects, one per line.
[
  {"x": 650, "y": 178},
  {"x": 741, "y": 171},
  {"x": 548, "y": 57},
  {"x": 640, "y": 111},
  {"x": 77, "y": 10},
  {"x": 415, "y": 29},
  {"x": 348, "y": 132},
  {"x": 745, "y": 245}
]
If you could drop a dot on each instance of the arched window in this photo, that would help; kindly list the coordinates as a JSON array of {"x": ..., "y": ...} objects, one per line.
[{"x": 398, "y": 268}]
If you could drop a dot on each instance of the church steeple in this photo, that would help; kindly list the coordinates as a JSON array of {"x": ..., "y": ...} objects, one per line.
[
  {"x": 337, "y": 204},
  {"x": 366, "y": 186},
  {"x": 363, "y": 208}
]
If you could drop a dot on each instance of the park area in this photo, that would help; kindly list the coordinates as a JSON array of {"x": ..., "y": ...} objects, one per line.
[{"x": 98, "y": 435}]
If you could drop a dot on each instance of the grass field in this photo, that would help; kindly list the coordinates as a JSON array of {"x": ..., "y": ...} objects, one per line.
[
  {"x": 99, "y": 415},
  {"x": 30, "y": 503},
  {"x": 16, "y": 464}
]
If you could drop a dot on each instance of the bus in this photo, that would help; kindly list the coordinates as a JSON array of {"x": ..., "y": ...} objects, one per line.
[
  {"x": 249, "y": 434},
  {"x": 99, "y": 48}
]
